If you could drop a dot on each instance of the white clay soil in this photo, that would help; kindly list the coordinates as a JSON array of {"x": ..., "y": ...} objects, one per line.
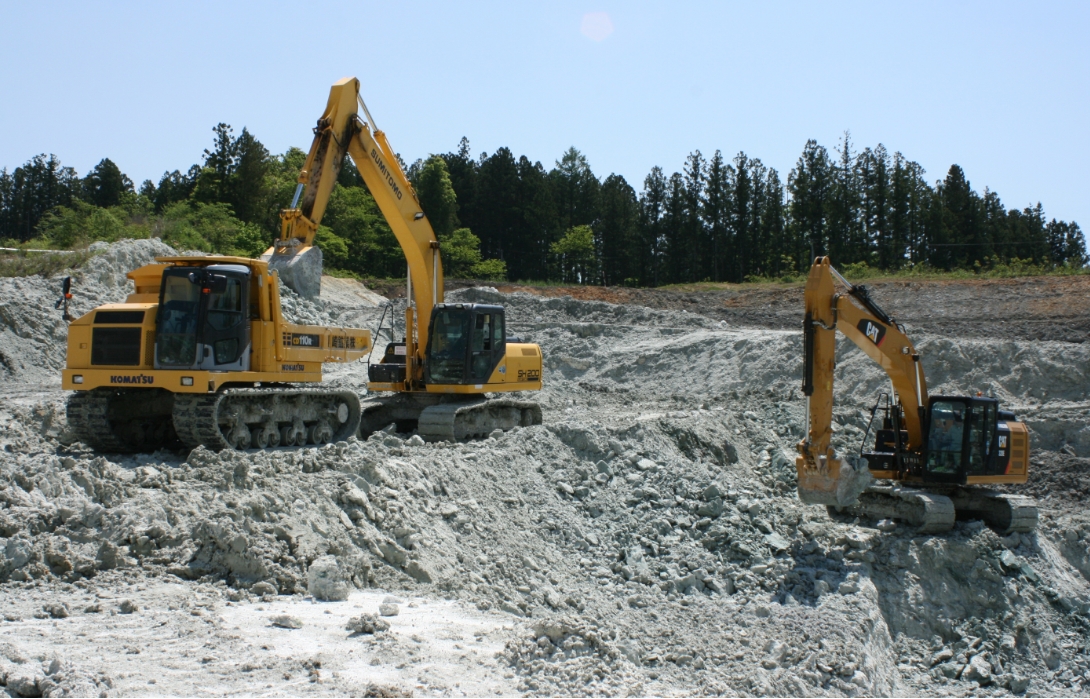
[{"x": 645, "y": 540}]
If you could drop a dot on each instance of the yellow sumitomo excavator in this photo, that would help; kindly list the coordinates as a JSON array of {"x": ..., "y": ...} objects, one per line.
[
  {"x": 436, "y": 378},
  {"x": 200, "y": 352},
  {"x": 933, "y": 456}
]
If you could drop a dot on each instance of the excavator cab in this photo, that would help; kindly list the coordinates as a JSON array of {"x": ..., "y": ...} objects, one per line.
[
  {"x": 466, "y": 341},
  {"x": 966, "y": 437},
  {"x": 202, "y": 322}
]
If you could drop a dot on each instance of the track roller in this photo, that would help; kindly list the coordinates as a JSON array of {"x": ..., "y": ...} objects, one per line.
[{"x": 260, "y": 418}]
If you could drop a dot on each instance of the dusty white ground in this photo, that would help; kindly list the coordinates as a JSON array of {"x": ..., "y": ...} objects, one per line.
[{"x": 645, "y": 540}]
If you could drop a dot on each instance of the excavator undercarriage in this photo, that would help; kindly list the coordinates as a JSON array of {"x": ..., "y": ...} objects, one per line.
[
  {"x": 135, "y": 420},
  {"x": 438, "y": 417},
  {"x": 936, "y": 510}
]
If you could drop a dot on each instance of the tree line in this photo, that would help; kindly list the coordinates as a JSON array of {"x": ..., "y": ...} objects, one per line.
[{"x": 498, "y": 216}]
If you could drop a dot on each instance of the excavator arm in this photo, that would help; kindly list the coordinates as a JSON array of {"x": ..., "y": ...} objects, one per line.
[
  {"x": 340, "y": 131},
  {"x": 824, "y": 477}
]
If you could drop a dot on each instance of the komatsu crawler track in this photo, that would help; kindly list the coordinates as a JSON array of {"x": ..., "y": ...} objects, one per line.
[
  {"x": 241, "y": 418},
  {"x": 439, "y": 418},
  {"x": 936, "y": 512}
]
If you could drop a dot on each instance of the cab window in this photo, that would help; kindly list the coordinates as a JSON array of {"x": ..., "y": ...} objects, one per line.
[{"x": 944, "y": 441}]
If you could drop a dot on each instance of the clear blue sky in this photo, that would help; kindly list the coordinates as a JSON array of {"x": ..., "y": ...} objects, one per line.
[{"x": 1000, "y": 88}]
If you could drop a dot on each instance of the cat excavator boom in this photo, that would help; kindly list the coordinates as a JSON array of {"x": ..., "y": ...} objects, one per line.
[{"x": 932, "y": 454}]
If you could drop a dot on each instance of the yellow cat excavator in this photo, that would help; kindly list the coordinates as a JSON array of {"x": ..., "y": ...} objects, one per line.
[
  {"x": 435, "y": 379},
  {"x": 933, "y": 456}
]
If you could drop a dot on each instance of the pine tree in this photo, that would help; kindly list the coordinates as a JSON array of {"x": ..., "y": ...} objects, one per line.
[
  {"x": 437, "y": 196},
  {"x": 105, "y": 184},
  {"x": 878, "y": 243},
  {"x": 498, "y": 186},
  {"x": 538, "y": 226},
  {"x": 742, "y": 218},
  {"x": 576, "y": 190},
  {"x": 962, "y": 234},
  {"x": 778, "y": 261},
  {"x": 653, "y": 228},
  {"x": 809, "y": 185},
  {"x": 846, "y": 241},
  {"x": 717, "y": 203},
  {"x": 463, "y": 169},
  {"x": 673, "y": 222},
  {"x": 247, "y": 189},
  {"x": 617, "y": 232},
  {"x": 693, "y": 237}
]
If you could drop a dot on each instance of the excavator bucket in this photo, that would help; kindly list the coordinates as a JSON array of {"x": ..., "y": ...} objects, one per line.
[{"x": 832, "y": 481}]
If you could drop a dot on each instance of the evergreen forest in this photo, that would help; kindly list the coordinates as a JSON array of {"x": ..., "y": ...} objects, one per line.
[{"x": 499, "y": 216}]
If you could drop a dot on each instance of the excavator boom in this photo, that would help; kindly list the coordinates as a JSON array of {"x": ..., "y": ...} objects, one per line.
[{"x": 824, "y": 477}]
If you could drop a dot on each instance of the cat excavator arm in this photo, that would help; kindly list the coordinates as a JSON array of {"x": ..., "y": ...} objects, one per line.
[{"x": 824, "y": 476}]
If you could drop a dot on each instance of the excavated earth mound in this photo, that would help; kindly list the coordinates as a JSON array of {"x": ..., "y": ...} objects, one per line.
[{"x": 646, "y": 539}]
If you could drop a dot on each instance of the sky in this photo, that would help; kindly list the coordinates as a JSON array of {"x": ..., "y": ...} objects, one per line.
[{"x": 1000, "y": 88}]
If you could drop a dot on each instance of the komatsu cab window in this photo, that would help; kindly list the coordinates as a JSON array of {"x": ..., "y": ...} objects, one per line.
[
  {"x": 177, "y": 325},
  {"x": 202, "y": 322},
  {"x": 944, "y": 442}
]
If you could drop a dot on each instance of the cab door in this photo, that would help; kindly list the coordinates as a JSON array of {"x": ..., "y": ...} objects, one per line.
[
  {"x": 225, "y": 333},
  {"x": 488, "y": 343}
]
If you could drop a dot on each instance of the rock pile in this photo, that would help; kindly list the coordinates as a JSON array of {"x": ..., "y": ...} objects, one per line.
[{"x": 645, "y": 539}]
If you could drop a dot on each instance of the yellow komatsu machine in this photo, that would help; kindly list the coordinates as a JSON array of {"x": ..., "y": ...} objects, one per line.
[
  {"x": 436, "y": 378},
  {"x": 933, "y": 456},
  {"x": 200, "y": 353}
]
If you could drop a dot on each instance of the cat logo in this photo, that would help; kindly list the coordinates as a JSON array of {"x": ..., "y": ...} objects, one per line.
[{"x": 875, "y": 332}]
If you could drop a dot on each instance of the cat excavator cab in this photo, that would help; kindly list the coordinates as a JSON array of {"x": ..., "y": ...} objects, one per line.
[
  {"x": 437, "y": 377},
  {"x": 933, "y": 456}
]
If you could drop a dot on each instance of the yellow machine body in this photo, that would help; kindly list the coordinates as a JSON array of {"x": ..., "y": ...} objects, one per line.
[{"x": 281, "y": 352}]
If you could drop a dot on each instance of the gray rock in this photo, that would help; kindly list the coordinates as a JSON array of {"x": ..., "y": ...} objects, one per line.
[
  {"x": 326, "y": 580},
  {"x": 300, "y": 272},
  {"x": 418, "y": 572},
  {"x": 24, "y": 686},
  {"x": 942, "y": 656},
  {"x": 388, "y": 609},
  {"x": 286, "y": 621},
  {"x": 264, "y": 588},
  {"x": 1019, "y": 684},
  {"x": 776, "y": 542},
  {"x": 128, "y": 607},
  {"x": 367, "y": 623},
  {"x": 57, "y": 610},
  {"x": 979, "y": 670}
]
